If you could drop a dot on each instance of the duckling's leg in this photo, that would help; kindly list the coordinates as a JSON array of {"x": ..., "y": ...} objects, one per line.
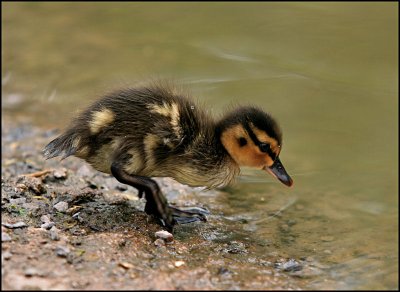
[{"x": 156, "y": 203}]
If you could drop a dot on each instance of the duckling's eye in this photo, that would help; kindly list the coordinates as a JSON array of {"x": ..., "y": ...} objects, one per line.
[
  {"x": 264, "y": 147},
  {"x": 242, "y": 141}
]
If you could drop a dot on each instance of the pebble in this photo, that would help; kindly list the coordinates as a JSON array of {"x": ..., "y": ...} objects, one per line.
[
  {"x": 5, "y": 237},
  {"x": 165, "y": 235},
  {"x": 47, "y": 225},
  {"x": 179, "y": 263},
  {"x": 43, "y": 241},
  {"x": 77, "y": 217},
  {"x": 74, "y": 209},
  {"x": 22, "y": 187},
  {"x": 19, "y": 224},
  {"x": 18, "y": 201},
  {"x": 159, "y": 242},
  {"x": 289, "y": 266},
  {"x": 6, "y": 255},
  {"x": 223, "y": 270},
  {"x": 235, "y": 247},
  {"x": 125, "y": 265},
  {"x": 75, "y": 241},
  {"x": 54, "y": 233},
  {"x": 33, "y": 183},
  {"x": 60, "y": 173},
  {"x": 45, "y": 219},
  {"x": 61, "y": 206},
  {"x": 29, "y": 272},
  {"x": 327, "y": 238},
  {"x": 62, "y": 251}
]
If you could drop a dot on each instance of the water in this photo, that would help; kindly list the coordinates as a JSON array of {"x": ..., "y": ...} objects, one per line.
[{"x": 327, "y": 71}]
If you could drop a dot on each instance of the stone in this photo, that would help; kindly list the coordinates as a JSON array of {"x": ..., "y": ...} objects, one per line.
[
  {"x": 29, "y": 272},
  {"x": 47, "y": 225},
  {"x": 290, "y": 265},
  {"x": 60, "y": 173},
  {"x": 6, "y": 255},
  {"x": 5, "y": 237},
  {"x": 179, "y": 263},
  {"x": 125, "y": 265},
  {"x": 19, "y": 224},
  {"x": 62, "y": 251},
  {"x": 165, "y": 235},
  {"x": 61, "y": 206},
  {"x": 159, "y": 242},
  {"x": 54, "y": 233},
  {"x": 45, "y": 219},
  {"x": 327, "y": 238}
]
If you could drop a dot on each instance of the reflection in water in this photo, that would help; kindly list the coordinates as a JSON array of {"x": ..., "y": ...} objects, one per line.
[{"x": 327, "y": 72}]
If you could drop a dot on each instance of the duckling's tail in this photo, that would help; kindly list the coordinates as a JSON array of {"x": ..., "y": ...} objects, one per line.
[{"x": 66, "y": 143}]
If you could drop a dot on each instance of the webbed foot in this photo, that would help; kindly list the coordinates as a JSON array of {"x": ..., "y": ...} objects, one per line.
[{"x": 184, "y": 215}]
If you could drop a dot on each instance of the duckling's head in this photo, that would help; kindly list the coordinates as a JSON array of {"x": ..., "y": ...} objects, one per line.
[{"x": 253, "y": 138}]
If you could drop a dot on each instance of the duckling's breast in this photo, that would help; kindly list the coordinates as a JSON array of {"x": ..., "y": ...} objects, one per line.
[{"x": 195, "y": 168}]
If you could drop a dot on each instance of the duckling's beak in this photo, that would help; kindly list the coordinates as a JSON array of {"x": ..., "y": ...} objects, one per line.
[{"x": 278, "y": 171}]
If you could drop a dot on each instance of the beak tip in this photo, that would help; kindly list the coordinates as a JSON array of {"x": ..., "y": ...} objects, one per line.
[{"x": 279, "y": 172}]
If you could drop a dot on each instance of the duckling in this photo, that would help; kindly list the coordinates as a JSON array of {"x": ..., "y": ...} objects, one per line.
[{"x": 154, "y": 131}]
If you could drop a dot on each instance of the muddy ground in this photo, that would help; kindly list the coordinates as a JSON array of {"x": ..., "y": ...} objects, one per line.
[{"x": 67, "y": 226}]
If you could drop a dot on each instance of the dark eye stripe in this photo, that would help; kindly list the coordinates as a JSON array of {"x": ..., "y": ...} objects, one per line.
[
  {"x": 264, "y": 147},
  {"x": 258, "y": 143}
]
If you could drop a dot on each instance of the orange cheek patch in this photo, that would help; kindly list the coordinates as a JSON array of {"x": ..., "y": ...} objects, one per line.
[
  {"x": 259, "y": 159},
  {"x": 249, "y": 154}
]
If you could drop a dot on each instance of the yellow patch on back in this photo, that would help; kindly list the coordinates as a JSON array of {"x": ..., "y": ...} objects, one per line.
[
  {"x": 163, "y": 109},
  {"x": 171, "y": 111},
  {"x": 100, "y": 119}
]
